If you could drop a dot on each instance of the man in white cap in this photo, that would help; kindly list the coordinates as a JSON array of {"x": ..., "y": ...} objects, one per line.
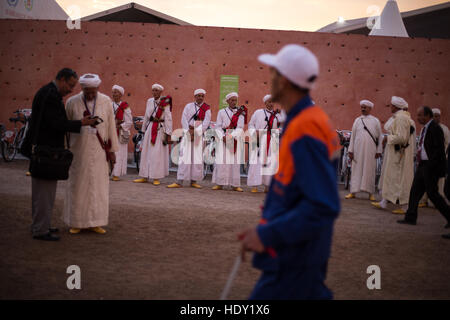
[
  {"x": 229, "y": 127},
  {"x": 365, "y": 147},
  {"x": 262, "y": 124},
  {"x": 292, "y": 243},
  {"x": 157, "y": 125},
  {"x": 87, "y": 194},
  {"x": 196, "y": 118},
  {"x": 437, "y": 118},
  {"x": 397, "y": 172},
  {"x": 124, "y": 122}
]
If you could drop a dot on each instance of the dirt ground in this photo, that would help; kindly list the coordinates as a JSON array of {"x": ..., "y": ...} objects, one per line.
[{"x": 181, "y": 244}]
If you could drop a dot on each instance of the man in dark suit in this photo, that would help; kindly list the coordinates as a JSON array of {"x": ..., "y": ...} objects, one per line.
[
  {"x": 447, "y": 186},
  {"x": 431, "y": 166},
  {"x": 50, "y": 131}
]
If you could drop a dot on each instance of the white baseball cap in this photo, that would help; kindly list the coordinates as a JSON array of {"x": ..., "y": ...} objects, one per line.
[{"x": 296, "y": 63}]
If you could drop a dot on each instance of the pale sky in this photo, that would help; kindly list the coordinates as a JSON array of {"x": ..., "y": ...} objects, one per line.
[{"x": 305, "y": 15}]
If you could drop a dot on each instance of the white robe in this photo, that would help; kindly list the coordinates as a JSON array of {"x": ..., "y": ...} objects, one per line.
[
  {"x": 227, "y": 174},
  {"x": 87, "y": 193},
  {"x": 397, "y": 172},
  {"x": 255, "y": 176},
  {"x": 190, "y": 166},
  {"x": 120, "y": 168},
  {"x": 364, "y": 150},
  {"x": 155, "y": 158}
]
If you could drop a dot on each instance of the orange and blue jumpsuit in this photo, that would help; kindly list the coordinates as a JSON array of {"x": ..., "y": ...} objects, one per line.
[{"x": 300, "y": 209}]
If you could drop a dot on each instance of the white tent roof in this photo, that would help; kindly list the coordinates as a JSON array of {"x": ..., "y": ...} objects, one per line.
[
  {"x": 390, "y": 23},
  {"x": 32, "y": 9}
]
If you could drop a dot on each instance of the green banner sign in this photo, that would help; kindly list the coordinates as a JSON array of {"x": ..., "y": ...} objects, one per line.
[{"x": 227, "y": 84}]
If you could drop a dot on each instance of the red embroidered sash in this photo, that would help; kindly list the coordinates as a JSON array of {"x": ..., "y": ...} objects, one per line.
[
  {"x": 234, "y": 122},
  {"x": 120, "y": 112},
  {"x": 202, "y": 112},
  {"x": 164, "y": 102}
]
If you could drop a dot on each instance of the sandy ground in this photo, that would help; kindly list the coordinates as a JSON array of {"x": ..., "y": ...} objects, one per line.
[{"x": 181, "y": 244}]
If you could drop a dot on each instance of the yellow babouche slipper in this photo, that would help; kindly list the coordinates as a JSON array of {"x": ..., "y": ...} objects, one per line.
[
  {"x": 372, "y": 197},
  {"x": 376, "y": 205},
  {"x": 141, "y": 180},
  {"x": 74, "y": 230},
  {"x": 217, "y": 187},
  {"x": 174, "y": 185},
  {"x": 99, "y": 230},
  {"x": 196, "y": 185},
  {"x": 423, "y": 205},
  {"x": 114, "y": 178},
  {"x": 398, "y": 211},
  {"x": 156, "y": 182},
  {"x": 254, "y": 190},
  {"x": 238, "y": 189},
  {"x": 350, "y": 196}
]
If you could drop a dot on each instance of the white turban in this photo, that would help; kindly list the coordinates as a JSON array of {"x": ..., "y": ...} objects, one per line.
[
  {"x": 366, "y": 103},
  {"x": 118, "y": 88},
  {"x": 90, "y": 80},
  {"x": 230, "y": 95},
  {"x": 399, "y": 102},
  {"x": 158, "y": 86},
  {"x": 198, "y": 91},
  {"x": 267, "y": 97},
  {"x": 436, "y": 111}
]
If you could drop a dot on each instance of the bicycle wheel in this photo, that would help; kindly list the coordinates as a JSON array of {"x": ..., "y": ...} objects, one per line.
[{"x": 8, "y": 151}]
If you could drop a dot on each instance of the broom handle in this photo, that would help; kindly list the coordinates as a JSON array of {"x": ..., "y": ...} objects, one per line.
[{"x": 231, "y": 277}]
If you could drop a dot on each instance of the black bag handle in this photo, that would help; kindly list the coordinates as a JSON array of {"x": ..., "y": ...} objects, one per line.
[{"x": 374, "y": 140}]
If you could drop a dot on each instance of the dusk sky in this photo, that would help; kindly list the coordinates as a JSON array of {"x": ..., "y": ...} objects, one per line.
[{"x": 305, "y": 15}]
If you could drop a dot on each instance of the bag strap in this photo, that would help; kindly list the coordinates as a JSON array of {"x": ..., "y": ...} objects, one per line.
[{"x": 365, "y": 128}]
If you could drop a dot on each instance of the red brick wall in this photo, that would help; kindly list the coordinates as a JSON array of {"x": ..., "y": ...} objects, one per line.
[{"x": 183, "y": 58}]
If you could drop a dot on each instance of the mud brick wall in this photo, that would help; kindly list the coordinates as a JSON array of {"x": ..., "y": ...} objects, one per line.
[{"x": 183, "y": 58}]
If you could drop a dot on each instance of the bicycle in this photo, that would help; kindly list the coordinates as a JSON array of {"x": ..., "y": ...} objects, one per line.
[
  {"x": 138, "y": 139},
  {"x": 345, "y": 163},
  {"x": 12, "y": 140}
]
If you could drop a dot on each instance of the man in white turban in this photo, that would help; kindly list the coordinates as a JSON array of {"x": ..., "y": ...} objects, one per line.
[
  {"x": 157, "y": 126},
  {"x": 194, "y": 121},
  {"x": 124, "y": 122},
  {"x": 437, "y": 118},
  {"x": 87, "y": 193},
  {"x": 397, "y": 172},
  {"x": 263, "y": 127},
  {"x": 365, "y": 147},
  {"x": 229, "y": 128}
]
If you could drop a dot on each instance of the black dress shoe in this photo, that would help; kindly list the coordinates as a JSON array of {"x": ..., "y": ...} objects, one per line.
[
  {"x": 53, "y": 230},
  {"x": 47, "y": 237},
  {"x": 446, "y": 236},
  {"x": 413, "y": 223}
]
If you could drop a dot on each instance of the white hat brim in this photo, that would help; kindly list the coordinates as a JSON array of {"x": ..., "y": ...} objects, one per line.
[{"x": 268, "y": 59}]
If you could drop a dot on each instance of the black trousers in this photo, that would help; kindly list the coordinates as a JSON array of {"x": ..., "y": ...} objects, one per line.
[{"x": 425, "y": 181}]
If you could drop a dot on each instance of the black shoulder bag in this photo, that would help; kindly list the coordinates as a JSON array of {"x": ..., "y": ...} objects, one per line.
[{"x": 49, "y": 163}]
